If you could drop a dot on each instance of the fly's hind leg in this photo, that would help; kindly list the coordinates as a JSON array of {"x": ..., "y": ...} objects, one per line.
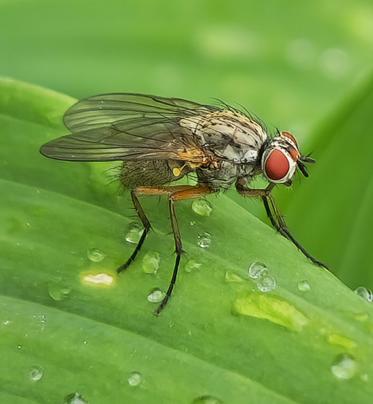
[
  {"x": 145, "y": 222},
  {"x": 175, "y": 193}
]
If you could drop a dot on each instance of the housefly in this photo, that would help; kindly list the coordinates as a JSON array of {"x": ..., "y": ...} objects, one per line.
[{"x": 161, "y": 140}]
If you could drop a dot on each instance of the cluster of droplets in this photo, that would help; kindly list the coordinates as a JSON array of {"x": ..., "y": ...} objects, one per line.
[
  {"x": 263, "y": 280},
  {"x": 204, "y": 240}
]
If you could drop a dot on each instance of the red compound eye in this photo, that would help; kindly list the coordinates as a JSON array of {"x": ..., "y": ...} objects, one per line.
[{"x": 276, "y": 165}]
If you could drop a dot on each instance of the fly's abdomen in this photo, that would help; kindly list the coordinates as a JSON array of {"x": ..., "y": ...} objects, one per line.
[{"x": 150, "y": 173}]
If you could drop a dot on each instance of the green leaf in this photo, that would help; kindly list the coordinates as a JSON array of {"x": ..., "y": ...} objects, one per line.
[
  {"x": 219, "y": 337},
  {"x": 331, "y": 211}
]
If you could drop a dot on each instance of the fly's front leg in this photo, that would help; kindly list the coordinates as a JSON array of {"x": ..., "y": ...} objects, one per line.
[{"x": 278, "y": 223}]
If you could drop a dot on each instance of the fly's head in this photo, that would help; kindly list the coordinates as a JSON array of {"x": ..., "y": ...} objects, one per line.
[{"x": 282, "y": 157}]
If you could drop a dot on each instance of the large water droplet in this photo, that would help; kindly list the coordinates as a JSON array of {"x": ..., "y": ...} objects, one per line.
[
  {"x": 155, "y": 296},
  {"x": 150, "y": 262},
  {"x": 257, "y": 270},
  {"x": 192, "y": 265},
  {"x": 75, "y": 398},
  {"x": 266, "y": 283},
  {"x": 344, "y": 367},
  {"x": 36, "y": 373},
  {"x": 58, "y": 290},
  {"x": 304, "y": 286},
  {"x": 204, "y": 240},
  {"x": 95, "y": 255},
  {"x": 207, "y": 400},
  {"x": 202, "y": 207},
  {"x": 134, "y": 233},
  {"x": 134, "y": 379},
  {"x": 365, "y": 293}
]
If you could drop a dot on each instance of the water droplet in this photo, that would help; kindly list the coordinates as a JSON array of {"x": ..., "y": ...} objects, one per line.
[
  {"x": 150, "y": 262},
  {"x": 95, "y": 255},
  {"x": 192, "y": 265},
  {"x": 304, "y": 286},
  {"x": 207, "y": 400},
  {"x": 232, "y": 277},
  {"x": 202, "y": 207},
  {"x": 36, "y": 373},
  {"x": 365, "y": 293},
  {"x": 75, "y": 398},
  {"x": 192, "y": 223},
  {"x": 266, "y": 283},
  {"x": 134, "y": 379},
  {"x": 344, "y": 367},
  {"x": 257, "y": 270},
  {"x": 19, "y": 346},
  {"x": 6, "y": 322},
  {"x": 134, "y": 233},
  {"x": 102, "y": 278},
  {"x": 204, "y": 240},
  {"x": 155, "y": 296},
  {"x": 58, "y": 290}
]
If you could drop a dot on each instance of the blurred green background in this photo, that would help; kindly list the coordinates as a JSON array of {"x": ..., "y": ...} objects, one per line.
[{"x": 292, "y": 63}]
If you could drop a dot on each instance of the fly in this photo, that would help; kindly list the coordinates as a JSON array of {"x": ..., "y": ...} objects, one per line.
[{"x": 161, "y": 140}]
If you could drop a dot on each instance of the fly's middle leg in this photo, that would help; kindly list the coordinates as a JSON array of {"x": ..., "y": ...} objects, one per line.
[{"x": 145, "y": 222}]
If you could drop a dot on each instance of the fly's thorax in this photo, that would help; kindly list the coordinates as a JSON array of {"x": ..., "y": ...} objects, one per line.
[{"x": 229, "y": 135}]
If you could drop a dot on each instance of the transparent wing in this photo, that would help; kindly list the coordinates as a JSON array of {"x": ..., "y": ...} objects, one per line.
[
  {"x": 128, "y": 127},
  {"x": 105, "y": 109}
]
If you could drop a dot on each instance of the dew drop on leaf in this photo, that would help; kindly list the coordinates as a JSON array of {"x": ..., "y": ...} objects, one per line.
[
  {"x": 365, "y": 293},
  {"x": 134, "y": 379},
  {"x": 150, "y": 262},
  {"x": 304, "y": 286},
  {"x": 207, "y": 400},
  {"x": 58, "y": 290},
  {"x": 202, "y": 207},
  {"x": 192, "y": 265},
  {"x": 257, "y": 270},
  {"x": 344, "y": 367},
  {"x": 36, "y": 373},
  {"x": 204, "y": 240},
  {"x": 266, "y": 283},
  {"x": 155, "y": 296},
  {"x": 95, "y": 255},
  {"x": 75, "y": 398},
  {"x": 134, "y": 233}
]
